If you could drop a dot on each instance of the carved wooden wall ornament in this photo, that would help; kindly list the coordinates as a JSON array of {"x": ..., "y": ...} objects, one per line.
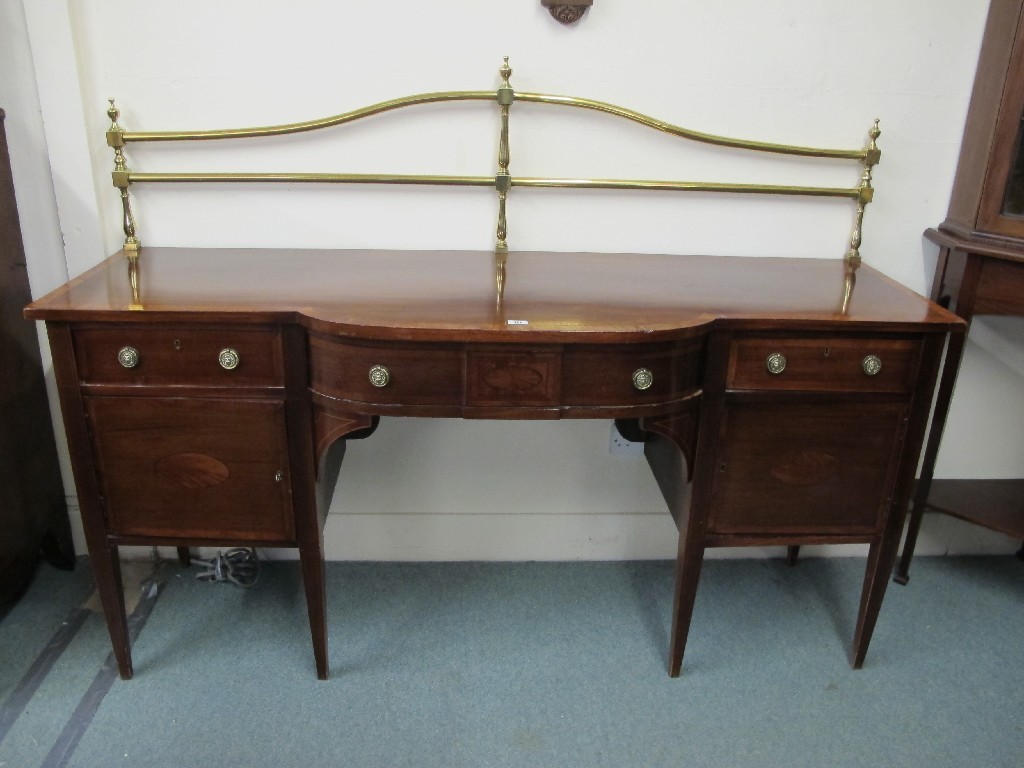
[{"x": 567, "y": 13}]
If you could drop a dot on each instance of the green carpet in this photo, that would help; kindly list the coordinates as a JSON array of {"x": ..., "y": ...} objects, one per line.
[{"x": 549, "y": 664}]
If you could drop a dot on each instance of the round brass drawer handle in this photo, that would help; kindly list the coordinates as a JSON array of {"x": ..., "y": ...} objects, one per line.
[
  {"x": 871, "y": 364},
  {"x": 642, "y": 379},
  {"x": 379, "y": 376},
  {"x": 128, "y": 357},
  {"x": 229, "y": 359},
  {"x": 776, "y": 363}
]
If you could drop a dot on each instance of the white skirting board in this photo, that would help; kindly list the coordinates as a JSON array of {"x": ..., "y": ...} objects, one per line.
[{"x": 529, "y": 537}]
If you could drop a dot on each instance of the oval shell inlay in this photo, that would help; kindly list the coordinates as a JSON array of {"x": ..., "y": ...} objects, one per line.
[
  {"x": 804, "y": 467},
  {"x": 513, "y": 378},
  {"x": 192, "y": 470}
]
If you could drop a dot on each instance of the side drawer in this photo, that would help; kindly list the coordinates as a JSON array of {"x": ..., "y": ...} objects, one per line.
[
  {"x": 823, "y": 364},
  {"x": 386, "y": 373},
  {"x": 199, "y": 468},
  {"x": 179, "y": 356},
  {"x": 617, "y": 376}
]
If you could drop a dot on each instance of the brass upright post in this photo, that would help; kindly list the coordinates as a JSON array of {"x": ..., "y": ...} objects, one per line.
[
  {"x": 865, "y": 194},
  {"x": 120, "y": 177},
  {"x": 502, "y": 181}
]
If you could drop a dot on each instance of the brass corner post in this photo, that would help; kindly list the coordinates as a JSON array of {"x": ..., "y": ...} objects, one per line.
[
  {"x": 865, "y": 194},
  {"x": 120, "y": 177},
  {"x": 502, "y": 181}
]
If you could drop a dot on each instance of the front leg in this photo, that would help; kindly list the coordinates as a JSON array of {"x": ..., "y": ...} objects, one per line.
[{"x": 670, "y": 451}]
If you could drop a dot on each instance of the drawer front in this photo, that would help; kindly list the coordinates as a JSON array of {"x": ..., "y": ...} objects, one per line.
[
  {"x": 656, "y": 373},
  {"x": 201, "y": 468},
  {"x": 501, "y": 377},
  {"x": 387, "y": 374},
  {"x": 823, "y": 364},
  {"x": 805, "y": 467},
  {"x": 179, "y": 356},
  {"x": 505, "y": 375}
]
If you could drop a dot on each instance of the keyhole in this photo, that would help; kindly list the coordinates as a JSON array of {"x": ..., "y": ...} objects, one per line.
[
  {"x": 828, "y": 351},
  {"x": 177, "y": 344}
]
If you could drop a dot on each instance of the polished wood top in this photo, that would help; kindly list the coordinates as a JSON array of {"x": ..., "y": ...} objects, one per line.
[{"x": 452, "y": 295}]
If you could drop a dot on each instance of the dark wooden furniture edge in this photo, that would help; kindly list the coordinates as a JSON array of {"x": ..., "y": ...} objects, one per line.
[
  {"x": 958, "y": 285},
  {"x": 34, "y": 520}
]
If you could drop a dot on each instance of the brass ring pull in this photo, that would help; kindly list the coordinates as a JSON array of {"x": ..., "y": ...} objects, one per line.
[
  {"x": 128, "y": 357},
  {"x": 379, "y": 376},
  {"x": 642, "y": 379},
  {"x": 776, "y": 363},
  {"x": 871, "y": 364},
  {"x": 229, "y": 359}
]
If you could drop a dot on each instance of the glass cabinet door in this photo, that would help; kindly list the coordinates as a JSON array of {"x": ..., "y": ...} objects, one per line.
[
  {"x": 1013, "y": 200},
  {"x": 1001, "y": 209}
]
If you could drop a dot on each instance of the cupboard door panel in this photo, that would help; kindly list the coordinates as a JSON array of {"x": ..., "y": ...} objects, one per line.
[
  {"x": 200, "y": 468},
  {"x": 805, "y": 467}
]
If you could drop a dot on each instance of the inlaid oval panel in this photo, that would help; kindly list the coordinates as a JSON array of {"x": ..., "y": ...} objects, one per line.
[
  {"x": 804, "y": 467},
  {"x": 191, "y": 470},
  {"x": 514, "y": 378}
]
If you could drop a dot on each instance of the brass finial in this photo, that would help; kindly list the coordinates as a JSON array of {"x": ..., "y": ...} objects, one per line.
[
  {"x": 506, "y": 73},
  {"x": 873, "y": 153},
  {"x": 115, "y": 135},
  {"x": 113, "y": 113},
  {"x": 115, "y": 139}
]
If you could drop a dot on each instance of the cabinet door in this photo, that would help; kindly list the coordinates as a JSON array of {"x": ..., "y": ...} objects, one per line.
[
  {"x": 805, "y": 468},
  {"x": 1001, "y": 207},
  {"x": 193, "y": 468}
]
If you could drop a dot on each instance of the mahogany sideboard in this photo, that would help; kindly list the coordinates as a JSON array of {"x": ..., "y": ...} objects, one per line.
[{"x": 208, "y": 399}]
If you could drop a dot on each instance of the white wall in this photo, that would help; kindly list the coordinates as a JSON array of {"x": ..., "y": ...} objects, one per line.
[
  {"x": 805, "y": 71},
  {"x": 34, "y": 187}
]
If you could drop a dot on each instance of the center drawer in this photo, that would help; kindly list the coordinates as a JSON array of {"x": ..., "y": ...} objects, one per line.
[{"x": 471, "y": 376}]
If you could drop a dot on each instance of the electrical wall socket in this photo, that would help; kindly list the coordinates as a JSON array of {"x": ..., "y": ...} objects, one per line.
[{"x": 620, "y": 446}]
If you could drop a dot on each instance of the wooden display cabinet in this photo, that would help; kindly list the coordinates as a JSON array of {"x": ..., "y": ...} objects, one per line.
[{"x": 980, "y": 268}]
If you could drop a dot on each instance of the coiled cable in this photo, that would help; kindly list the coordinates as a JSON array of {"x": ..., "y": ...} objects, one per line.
[{"x": 240, "y": 566}]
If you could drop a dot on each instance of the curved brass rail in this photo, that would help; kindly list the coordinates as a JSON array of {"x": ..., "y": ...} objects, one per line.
[
  {"x": 686, "y": 133},
  {"x": 308, "y": 125},
  {"x": 315, "y": 178},
  {"x": 502, "y": 181}
]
